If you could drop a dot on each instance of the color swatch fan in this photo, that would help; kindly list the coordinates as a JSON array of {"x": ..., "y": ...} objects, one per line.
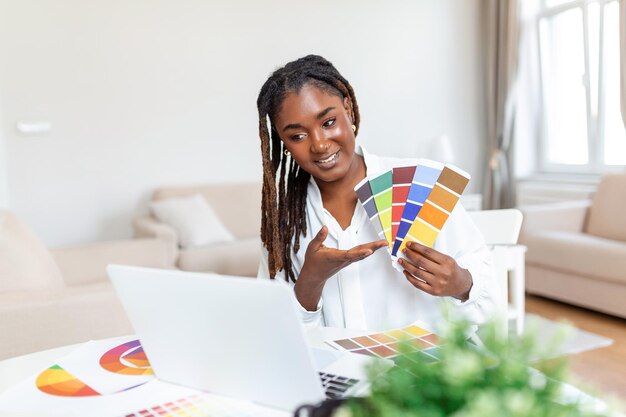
[{"x": 411, "y": 203}]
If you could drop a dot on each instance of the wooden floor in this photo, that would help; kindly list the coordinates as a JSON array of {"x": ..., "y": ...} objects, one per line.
[{"x": 605, "y": 368}]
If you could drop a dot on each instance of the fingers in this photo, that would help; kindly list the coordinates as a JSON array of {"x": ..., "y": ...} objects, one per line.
[
  {"x": 340, "y": 256},
  {"x": 350, "y": 257},
  {"x": 418, "y": 283},
  {"x": 357, "y": 253},
  {"x": 318, "y": 240},
  {"x": 426, "y": 252},
  {"x": 361, "y": 252},
  {"x": 418, "y": 260},
  {"x": 416, "y": 271},
  {"x": 373, "y": 246}
]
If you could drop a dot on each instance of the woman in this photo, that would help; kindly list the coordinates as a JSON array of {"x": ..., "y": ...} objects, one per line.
[{"x": 319, "y": 239}]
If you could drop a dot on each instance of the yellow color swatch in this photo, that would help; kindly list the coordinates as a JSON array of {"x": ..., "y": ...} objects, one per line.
[
  {"x": 416, "y": 331},
  {"x": 421, "y": 233}
]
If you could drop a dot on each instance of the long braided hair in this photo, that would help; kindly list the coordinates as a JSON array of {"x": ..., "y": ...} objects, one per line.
[{"x": 283, "y": 201}]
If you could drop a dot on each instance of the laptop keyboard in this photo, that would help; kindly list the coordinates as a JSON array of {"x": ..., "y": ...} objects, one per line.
[{"x": 335, "y": 386}]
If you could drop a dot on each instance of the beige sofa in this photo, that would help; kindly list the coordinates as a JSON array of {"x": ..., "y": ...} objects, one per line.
[
  {"x": 577, "y": 250},
  {"x": 56, "y": 297},
  {"x": 238, "y": 207}
]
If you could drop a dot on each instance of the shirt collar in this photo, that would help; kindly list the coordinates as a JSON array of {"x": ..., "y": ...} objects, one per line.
[{"x": 372, "y": 165}]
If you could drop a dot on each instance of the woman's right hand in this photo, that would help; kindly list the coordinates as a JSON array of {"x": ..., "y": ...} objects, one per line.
[{"x": 321, "y": 263}]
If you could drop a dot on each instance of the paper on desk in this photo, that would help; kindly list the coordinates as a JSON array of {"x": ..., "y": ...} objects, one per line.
[
  {"x": 111, "y": 395},
  {"x": 153, "y": 395},
  {"x": 85, "y": 365},
  {"x": 80, "y": 370}
]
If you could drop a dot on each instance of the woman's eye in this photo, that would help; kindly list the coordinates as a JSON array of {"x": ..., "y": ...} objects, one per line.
[
  {"x": 329, "y": 122},
  {"x": 298, "y": 137}
]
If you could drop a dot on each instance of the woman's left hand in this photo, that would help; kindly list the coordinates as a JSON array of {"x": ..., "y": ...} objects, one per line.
[{"x": 435, "y": 273}]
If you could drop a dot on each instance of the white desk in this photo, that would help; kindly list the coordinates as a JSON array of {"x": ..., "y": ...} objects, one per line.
[{"x": 14, "y": 370}]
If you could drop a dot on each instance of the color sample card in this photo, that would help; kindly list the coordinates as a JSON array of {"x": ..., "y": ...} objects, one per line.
[
  {"x": 426, "y": 174},
  {"x": 366, "y": 198},
  {"x": 437, "y": 207},
  {"x": 387, "y": 344},
  {"x": 382, "y": 186},
  {"x": 402, "y": 178}
]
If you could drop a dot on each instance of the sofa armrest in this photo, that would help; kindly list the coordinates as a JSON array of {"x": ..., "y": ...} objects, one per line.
[
  {"x": 148, "y": 226},
  {"x": 567, "y": 216},
  {"x": 87, "y": 263}
]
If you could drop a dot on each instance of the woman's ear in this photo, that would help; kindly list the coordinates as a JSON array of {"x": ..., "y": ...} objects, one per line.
[{"x": 347, "y": 105}]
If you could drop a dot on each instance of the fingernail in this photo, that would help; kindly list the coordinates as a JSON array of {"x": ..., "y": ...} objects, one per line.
[
  {"x": 403, "y": 250},
  {"x": 400, "y": 261},
  {"x": 408, "y": 244}
]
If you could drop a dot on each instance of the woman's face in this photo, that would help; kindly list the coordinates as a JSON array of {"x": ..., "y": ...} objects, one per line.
[{"x": 316, "y": 127}]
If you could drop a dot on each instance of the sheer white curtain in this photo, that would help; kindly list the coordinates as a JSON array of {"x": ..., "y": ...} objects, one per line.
[
  {"x": 622, "y": 33},
  {"x": 502, "y": 33}
]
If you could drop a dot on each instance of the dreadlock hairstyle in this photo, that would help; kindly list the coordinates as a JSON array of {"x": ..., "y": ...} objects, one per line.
[{"x": 284, "y": 195}]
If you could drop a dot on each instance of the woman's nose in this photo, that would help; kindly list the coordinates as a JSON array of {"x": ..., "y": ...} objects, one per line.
[{"x": 319, "y": 143}]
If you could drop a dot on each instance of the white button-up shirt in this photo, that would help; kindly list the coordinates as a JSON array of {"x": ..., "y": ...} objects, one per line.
[{"x": 371, "y": 294}]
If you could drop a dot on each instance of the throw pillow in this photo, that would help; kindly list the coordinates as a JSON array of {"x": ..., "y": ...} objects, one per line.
[
  {"x": 606, "y": 218},
  {"x": 193, "y": 219},
  {"x": 25, "y": 263}
]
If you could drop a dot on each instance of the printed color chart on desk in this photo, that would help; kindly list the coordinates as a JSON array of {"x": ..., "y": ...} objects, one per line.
[
  {"x": 77, "y": 385},
  {"x": 57, "y": 381},
  {"x": 127, "y": 359},
  {"x": 203, "y": 405},
  {"x": 387, "y": 344},
  {"x": 192, "y": 406},
  {"x": 122, "y": 361}
]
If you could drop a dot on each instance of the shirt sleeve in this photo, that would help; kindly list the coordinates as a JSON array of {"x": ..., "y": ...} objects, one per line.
[
  {"x": 308, "y": 318},
  {"x": 467, "y": 245}
]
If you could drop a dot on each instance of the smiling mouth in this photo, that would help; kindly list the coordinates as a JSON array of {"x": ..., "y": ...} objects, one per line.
[{"x": 328, "y": 162}]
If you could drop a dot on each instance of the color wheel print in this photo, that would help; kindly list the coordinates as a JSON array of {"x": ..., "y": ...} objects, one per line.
[
  {"x": 127, "y": 359},
  {"x": 57, "y": 381}
]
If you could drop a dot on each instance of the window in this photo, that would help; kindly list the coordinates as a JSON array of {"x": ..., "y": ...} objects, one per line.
[{"x": 582, "y": 126}]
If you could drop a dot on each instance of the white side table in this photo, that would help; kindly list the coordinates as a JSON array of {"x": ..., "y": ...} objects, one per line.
[{"x": 509, "y": 263}]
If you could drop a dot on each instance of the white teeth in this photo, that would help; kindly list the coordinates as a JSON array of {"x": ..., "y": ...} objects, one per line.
[{"x": 330, "y": 158}]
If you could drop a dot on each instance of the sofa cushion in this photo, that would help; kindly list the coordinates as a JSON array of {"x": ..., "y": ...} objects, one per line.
[
  {"x": 236, "y": 258},
  {"x": 606, "y": 217},
  {"x": 35, "y": 320},
  {"x": 578, "y": 253},
  {"x": 193, "y": 219},
  {"x": 25, "y": 263},
  {"x": 87, "y": 263},
  {"x": 238, "y": 205}
]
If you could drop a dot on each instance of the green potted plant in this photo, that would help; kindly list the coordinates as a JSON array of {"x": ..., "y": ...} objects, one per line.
[{"x": 501, "y": 378}]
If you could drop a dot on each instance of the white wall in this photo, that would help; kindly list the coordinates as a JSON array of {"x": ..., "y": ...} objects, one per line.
[
  {"x": 145, "y": 93},
  {"x": 4, "y": 192}
]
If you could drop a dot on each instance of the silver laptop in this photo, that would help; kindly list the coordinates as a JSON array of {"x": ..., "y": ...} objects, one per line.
[{"x": 234, "y": 336}]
